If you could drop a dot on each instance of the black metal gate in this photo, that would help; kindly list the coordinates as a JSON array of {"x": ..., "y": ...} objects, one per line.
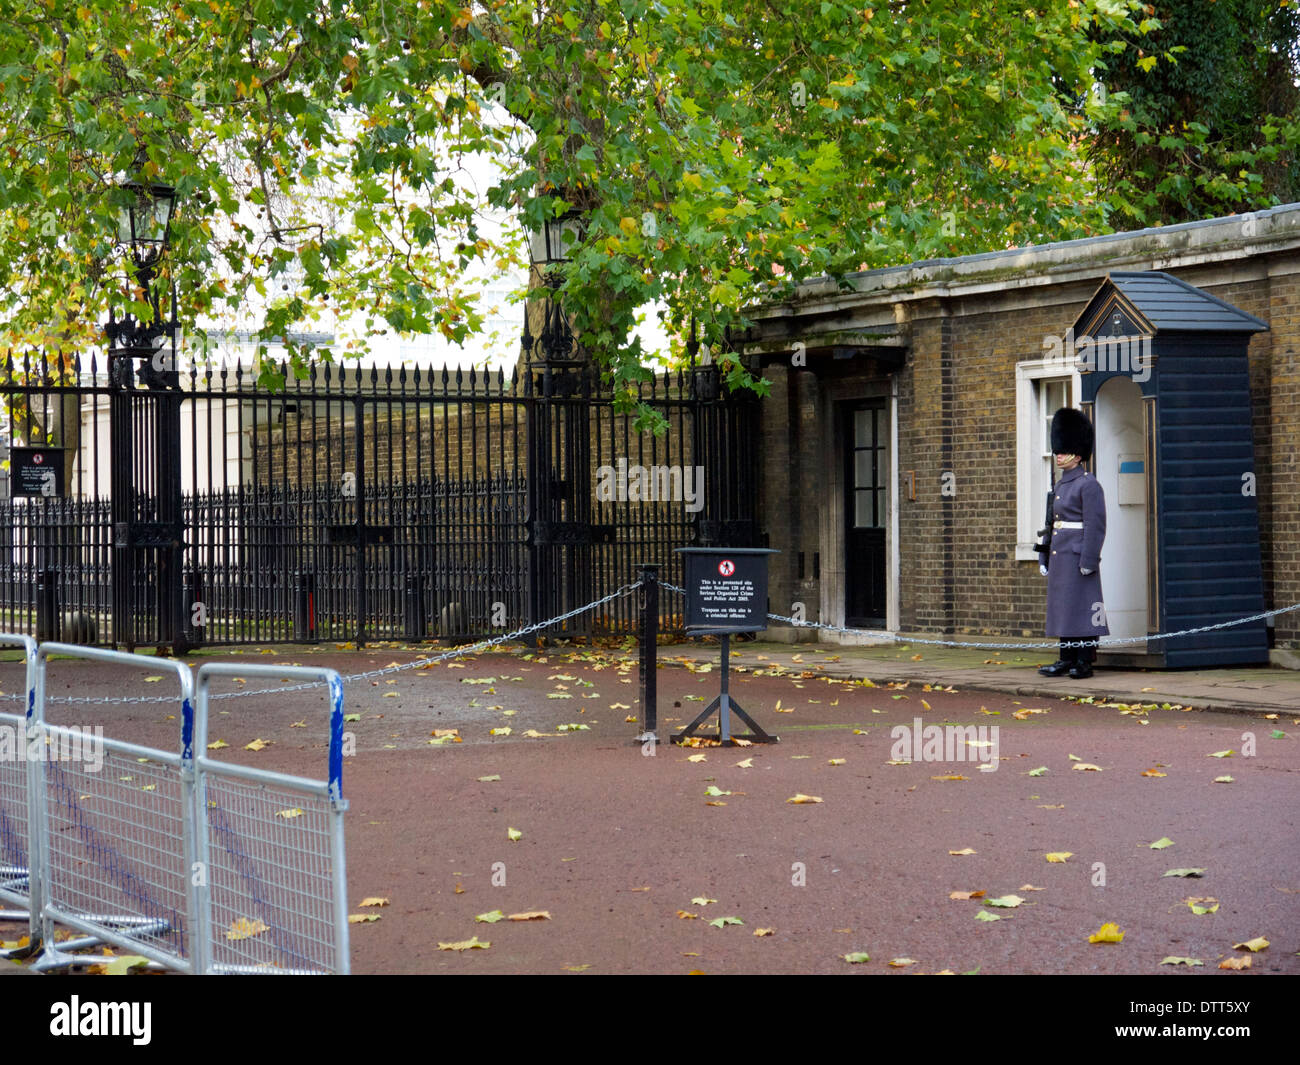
[{"x": 200, "y": 506}]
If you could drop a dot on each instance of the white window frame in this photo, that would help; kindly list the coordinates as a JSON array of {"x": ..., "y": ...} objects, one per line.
[{"x": 1031, "y": 489}]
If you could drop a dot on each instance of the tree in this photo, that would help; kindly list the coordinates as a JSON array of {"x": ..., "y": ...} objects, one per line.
[
  {"x": 1212, "y": 129},
  {"x": 718, "y": 152}
]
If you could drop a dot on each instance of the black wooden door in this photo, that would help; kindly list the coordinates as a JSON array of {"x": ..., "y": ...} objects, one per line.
[{"x": 866, "y": 480}]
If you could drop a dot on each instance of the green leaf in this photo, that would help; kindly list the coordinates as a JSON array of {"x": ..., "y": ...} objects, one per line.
[
  {"x": 984, "y": 915},
  {"x": 491, "y": 917},
  {"x": 857, "y": 957},
  {"x": 1162, "y": 843},
  {"x": 1038, "y": 772},
  {"x": 1174, "y": 960},
  {"x": 718, "y": 922}
]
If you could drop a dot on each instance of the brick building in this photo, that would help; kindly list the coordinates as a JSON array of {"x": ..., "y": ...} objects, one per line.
[{"x": 904, "y": 446}]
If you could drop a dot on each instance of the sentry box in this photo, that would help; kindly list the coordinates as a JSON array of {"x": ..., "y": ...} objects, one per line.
[{"x": 726, "y": 592}]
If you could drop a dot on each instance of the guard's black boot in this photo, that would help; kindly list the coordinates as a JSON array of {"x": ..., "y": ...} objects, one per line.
[
  {"x": 1057, "y": 669},
  {"x": 1081, "y": 670}
]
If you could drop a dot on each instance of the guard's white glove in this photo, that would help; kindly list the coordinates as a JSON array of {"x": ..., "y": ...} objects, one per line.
[
  {"x": 1087, "y": 572},
  {"x": 1042, "y": 569}
]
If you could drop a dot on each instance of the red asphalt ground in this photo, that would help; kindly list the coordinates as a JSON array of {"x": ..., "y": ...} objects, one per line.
[{"x": 616, "y": 842}]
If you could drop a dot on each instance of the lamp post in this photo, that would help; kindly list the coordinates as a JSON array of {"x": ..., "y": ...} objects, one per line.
[
  {"x": 144, "y": 419},
  {"x": 558, "y": 388}
]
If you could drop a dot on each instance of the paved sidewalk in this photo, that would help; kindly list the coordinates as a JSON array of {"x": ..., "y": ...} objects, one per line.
[{"x": 1244, "y": 689}]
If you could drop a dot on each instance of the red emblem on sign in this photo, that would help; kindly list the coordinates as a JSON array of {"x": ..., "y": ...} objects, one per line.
[
  {"x": 726, "y": 567},
  {"x": 38, "y": 458}
]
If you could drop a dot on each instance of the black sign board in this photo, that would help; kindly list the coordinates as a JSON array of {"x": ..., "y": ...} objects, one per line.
[
  {"x": 36, "y": 471},
  {"x": 726, "y": 588}
]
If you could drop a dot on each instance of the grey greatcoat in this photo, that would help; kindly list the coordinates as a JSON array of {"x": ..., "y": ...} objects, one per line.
[{"x": 1073, "y": 600}]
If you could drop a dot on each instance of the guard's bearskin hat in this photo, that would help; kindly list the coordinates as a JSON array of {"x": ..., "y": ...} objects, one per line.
[{"x": 1072, "y": 434}]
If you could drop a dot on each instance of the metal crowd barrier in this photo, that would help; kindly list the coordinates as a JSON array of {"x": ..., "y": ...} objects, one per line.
[
  {"x": 17, "y": 840},
  {"x": 199, "y": 865},
  {"x": 276, "y": 870},
  {"x": 117, "y": 838}
]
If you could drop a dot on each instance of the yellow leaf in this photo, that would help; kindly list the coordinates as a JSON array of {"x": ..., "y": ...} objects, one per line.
[
  {"x": 764, "y": 931},
  {"x": 257, "y": 745},
  {"x": 530, "y": 915},
  {"x": 243, "y": 928},
  {"x": 746, "y": 763},
  {"x": 465, "y": 944},
  {"x": 217, "y": 745},
  {"x": 838, "y": 761},
  {"x": 1256, "y": 944},
  {"x": 1153, "y": 773},
  {"x": 697, "y": 757},
  {"x": 950, "y": 776},
  {"x": 503, "y": 731},
  {"x": 900, "y": 963},
  {"x": 1107, "y": 933},
  {"x": 363, "y": 918},
  {"x": 743, "y": 743},
  {"x": 514, "y": 835},
  {"x": 440, "y": 732},
  {"x": 374, "y": 901},
  {"x": 289, "y": 814},
  {"x": 1087, "y": 765},
  {"x": 700, "y": 900},
  {"x": 687, "y": 916},
  {"x": 801, "y": 798},
  {"x": 152, "y": 680},
  {"x": 1059, "y": 856},
  {"x": 299, "y": 724},
  {"x": 1235, "y": 963},
  {"x": 964, "y": 850},
  {"x": 962, "y": 896},
  {"x": 390, "y": 695}
]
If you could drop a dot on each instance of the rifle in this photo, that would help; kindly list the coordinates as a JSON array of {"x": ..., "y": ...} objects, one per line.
[{"x": 1044, "y": 545}]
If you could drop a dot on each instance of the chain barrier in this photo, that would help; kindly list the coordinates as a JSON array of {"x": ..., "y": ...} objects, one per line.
[
  {"x": 370, "y": 674},
  {"x": 1104, "y": 641}
]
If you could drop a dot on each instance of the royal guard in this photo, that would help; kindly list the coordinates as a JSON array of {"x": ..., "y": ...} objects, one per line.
[{"x": 1072, "y": 561}]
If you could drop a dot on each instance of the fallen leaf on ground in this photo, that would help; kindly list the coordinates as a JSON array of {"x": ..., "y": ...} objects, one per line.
[
  {"x": 1153, "y": 773},
  {"x": 1038, "y": 772},
  {"x": 488, "y": 779},
  {"x": 697, "y": 757},
  {"x": 439, "y": 732},
  {"x": 373, "y": 901},
  {"x": 719, "y": 922},
  {"x": 857, "y": 957},
  {"x": 764, "y": 931},
  {"x": 950, "y": 776},
  {"x": 530, "y": 915},
  {"x": 838, "y": 761},
  {"x": 363, "y": 918},
  {"x": 801, "y": 798},
  {"x": 900, "y": 963},
  {"x": 687, "y": 916},
  {"x": 747, "y": 763},
  {"x": 1006, "y": 901},
  {"x": 1256, "y": 944},
  {"x": 700, "y": 900},
  {"x": 504, "y": 730},
  {"x": 123, "y": 965},
  {"x": 1222, "y": 780},
  {"x": 1107, "y": 933},
  {"x": 1056, "y": 857},
  {"x": 243, "y": 928},
  {"x": 1221, "y": 754},
  {"x": 1021, "y": 715},
  {"x": 714, "y": 791},
  {"x": 299, "y": 724},
  {"x": 1162, "y": 843},
  {"x": 1030, "y": 887},
  {"x": 514, "y": 835},
  {"x": 1088, "y": 766},
  {"x": 1174, "y": 960},
  {"x": 491, "y": 917},
  {"x": 1183, "y": 872},
  {"x": 1200, "y": 906},
  {"x": 257, "y": 745},
  {"x": 964, "y": 850},
  {"x": 984, "y": 915},
  {"x": 962, "y": 895},
  {"x": 465, "y": 944},
  {"x": 1235, "y": 963}
]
